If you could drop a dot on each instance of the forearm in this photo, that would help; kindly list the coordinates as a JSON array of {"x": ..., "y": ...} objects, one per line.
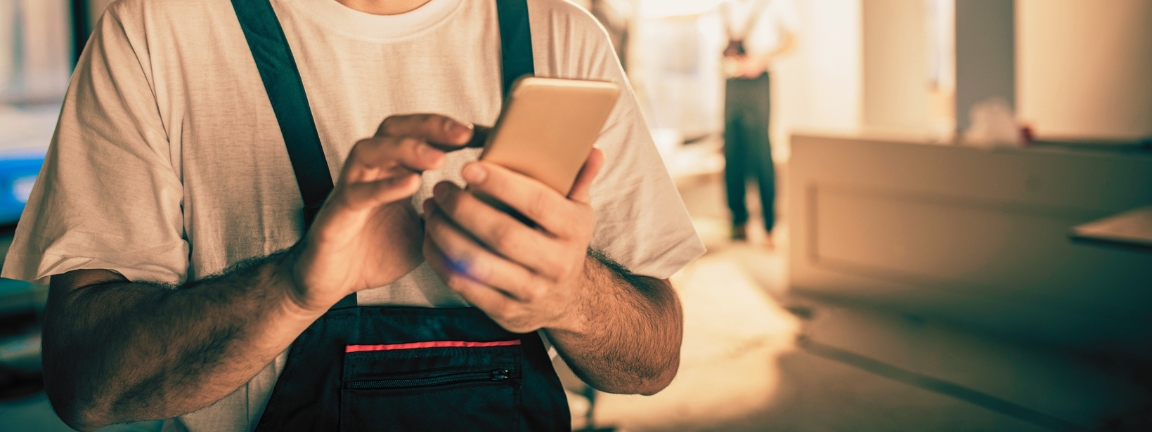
[
  {"x": 629, "y": 338},
  {"x": 126, "y": 351},
  {"x": 786, "y": 46}
]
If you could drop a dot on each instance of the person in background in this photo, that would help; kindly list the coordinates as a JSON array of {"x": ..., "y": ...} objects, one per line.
[{"x": 758, "y": 32}]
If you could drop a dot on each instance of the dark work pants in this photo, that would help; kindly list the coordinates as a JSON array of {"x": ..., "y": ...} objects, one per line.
[{"x": 747, "y": 150}]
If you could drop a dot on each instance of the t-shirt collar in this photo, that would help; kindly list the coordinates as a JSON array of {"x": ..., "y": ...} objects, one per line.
[{"x": 336, "y": 16}]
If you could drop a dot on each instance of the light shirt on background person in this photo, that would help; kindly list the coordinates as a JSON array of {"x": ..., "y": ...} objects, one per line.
[{"x": 764, "y": 25}]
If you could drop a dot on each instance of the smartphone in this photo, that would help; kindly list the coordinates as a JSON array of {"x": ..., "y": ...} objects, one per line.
[{"x": 547, "y": 129}]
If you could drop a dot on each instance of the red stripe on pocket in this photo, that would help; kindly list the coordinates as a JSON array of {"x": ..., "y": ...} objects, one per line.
[{"x": 421, "y": 345}]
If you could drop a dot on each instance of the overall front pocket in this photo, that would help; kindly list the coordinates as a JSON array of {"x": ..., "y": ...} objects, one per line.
[{"x": 434, "y": 386}]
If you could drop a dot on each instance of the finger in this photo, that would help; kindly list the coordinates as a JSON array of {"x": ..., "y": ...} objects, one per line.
[
  {"x": 582, "y": 189},
  {"x": 464, "y": 255},
  {"x": 497, "y": 230},
  {"x": 385, "y": 191},
  {"x": 382, "y": 157},
  {"x": 494, "y": 303},
  {"x": 436, "y": 128},
  {"x": 478, "y": 140},
  {"x": 550, "y": 210},
  {"x": 489, "y": 300}
]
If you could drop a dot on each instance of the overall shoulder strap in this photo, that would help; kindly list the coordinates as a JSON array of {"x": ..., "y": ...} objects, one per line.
[
  {"x": 725, "y": 11},
  {"x": 289, "y": 101},
  {"x": 515, "y": 41}
]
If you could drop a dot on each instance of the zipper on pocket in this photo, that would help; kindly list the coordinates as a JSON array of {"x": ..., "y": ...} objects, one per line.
[{"x": 500, "y": 375}]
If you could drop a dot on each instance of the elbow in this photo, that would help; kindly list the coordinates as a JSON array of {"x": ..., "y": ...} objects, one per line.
[
  {"x": 645, "y": 380},
  {"x": 80, "y": 423},
  {"x": 659, "y": 374},
  {"x": 77, "y": 410},
  {"x": 74, "y": 413},
  {"x": 646, "y": 384},
  {"x": 660, "y": 381},
  {"x": 657, "y": 384}
]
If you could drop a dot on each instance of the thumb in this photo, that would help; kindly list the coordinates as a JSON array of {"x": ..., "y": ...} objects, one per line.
[{"x": 582, "y": 189}]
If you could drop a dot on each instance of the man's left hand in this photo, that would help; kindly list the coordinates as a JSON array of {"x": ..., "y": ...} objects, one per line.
[{"x": 525, "y": 278}]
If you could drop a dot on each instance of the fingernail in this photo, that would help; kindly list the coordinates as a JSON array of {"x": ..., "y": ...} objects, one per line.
[
  {"x": 427, "y": 207},
  {"x": 474, "y": 173}
]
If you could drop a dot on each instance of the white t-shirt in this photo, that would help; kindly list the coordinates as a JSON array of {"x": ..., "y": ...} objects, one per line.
[
  {"x": 761, "y": 23},
  {"x": 168, "y": 163}
]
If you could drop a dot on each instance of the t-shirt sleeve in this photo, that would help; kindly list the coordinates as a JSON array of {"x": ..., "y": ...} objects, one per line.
[
  {"x": 786, "y": 15},
  {"x": 109, "y": 195},
  {"x": 641, "y": 221}
]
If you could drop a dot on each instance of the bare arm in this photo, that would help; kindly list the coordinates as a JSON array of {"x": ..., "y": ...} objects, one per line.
[
  {"x": 786, "y": 46},
  {"x": 117, "y": 350},
  {"x": 620, "y": 332},
  {"x": 754, "y": 66},
  {"x": 633, "y": 326}
]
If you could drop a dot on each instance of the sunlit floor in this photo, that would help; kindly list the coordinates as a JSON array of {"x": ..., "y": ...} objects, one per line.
[{"x": 758, "y": 359}]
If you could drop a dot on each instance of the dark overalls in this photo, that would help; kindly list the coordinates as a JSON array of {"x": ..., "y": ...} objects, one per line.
[
  {"x": 397, "y": 368},
  {"x": 747, "y": 148}
]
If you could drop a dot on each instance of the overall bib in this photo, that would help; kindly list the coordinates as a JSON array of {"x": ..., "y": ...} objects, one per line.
[{"x": 397, "y": 368}]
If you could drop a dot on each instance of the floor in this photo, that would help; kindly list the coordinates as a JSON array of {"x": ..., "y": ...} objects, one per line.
[{"x": 756, "y": 358}]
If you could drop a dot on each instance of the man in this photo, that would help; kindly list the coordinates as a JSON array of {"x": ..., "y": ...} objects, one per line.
[
  {"x": 758, "y": 33},
  {"x": 182, "y": 266}
]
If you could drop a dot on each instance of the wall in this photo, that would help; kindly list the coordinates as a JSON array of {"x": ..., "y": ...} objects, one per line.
[
  {"x": 36, "y": 64},
  {"x": 896, "y": 81},
  {"x": 819, "y": 86},
  {"x": 674, "y": 66},
  {"x": 985, "y": 55},
  {"x": 1084, "y": 67}
]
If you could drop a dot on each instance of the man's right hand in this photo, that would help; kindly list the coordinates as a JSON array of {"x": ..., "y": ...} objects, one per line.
[{"x": 367, "y": 235}]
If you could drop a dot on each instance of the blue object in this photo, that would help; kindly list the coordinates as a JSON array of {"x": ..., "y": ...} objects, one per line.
[{"x": 17, "y": 175}]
